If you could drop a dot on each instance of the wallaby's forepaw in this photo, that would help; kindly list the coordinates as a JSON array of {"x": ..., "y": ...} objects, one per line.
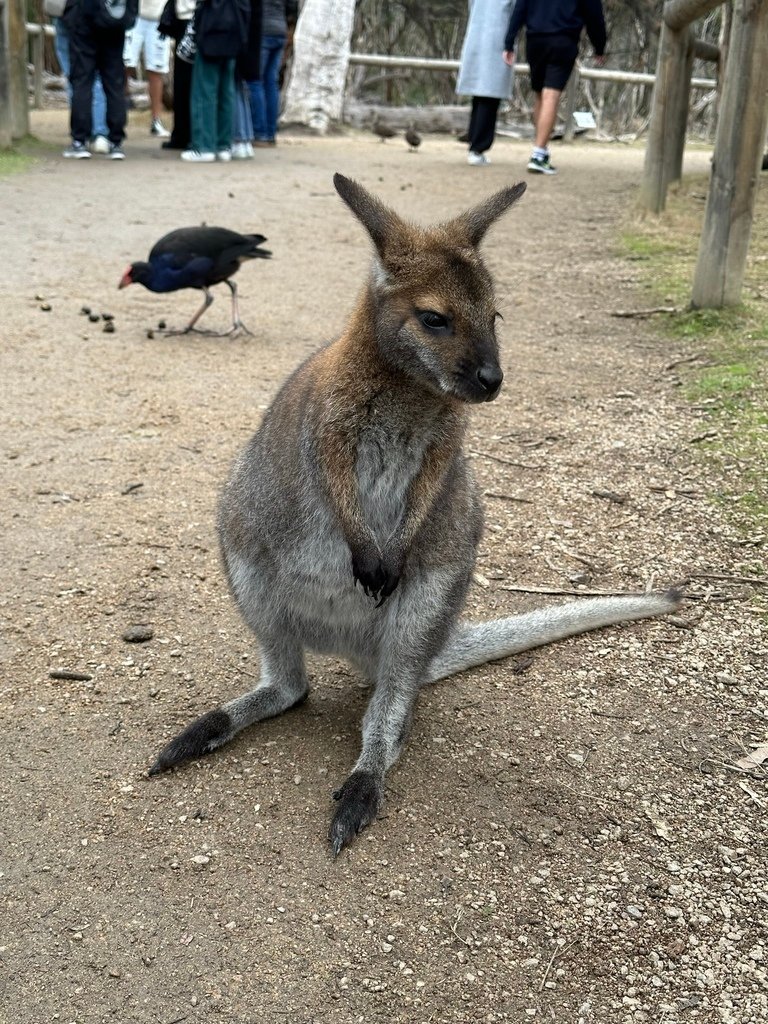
[
  {"x": 359, "y": 799},
  {"x": 201, "y": 737},
  {"x": 375, "y": 574}
]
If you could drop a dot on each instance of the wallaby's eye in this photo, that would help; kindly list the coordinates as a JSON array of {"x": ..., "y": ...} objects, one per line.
[{"x": 433, "y": 321}]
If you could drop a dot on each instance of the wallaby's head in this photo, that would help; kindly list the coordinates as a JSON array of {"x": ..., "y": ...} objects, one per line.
[{"x": 435, "y": 308}]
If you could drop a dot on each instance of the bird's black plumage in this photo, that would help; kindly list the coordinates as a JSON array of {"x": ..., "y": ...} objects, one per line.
[{"x": 197, "y": 257}]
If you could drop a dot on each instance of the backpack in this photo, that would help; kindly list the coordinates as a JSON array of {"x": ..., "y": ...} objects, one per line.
[
  {"x": 221, "y": 28},
  {"x": 117, "y": 14}
]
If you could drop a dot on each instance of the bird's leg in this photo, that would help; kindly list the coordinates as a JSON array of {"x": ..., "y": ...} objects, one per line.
[
  {"x": 206, "y": 303},
  {"x": 190, "y": 328},
  {"x": 237, "y": 323}
]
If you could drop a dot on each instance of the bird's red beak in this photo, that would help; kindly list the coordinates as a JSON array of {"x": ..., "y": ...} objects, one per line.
[{"x": 126, "y": 279}]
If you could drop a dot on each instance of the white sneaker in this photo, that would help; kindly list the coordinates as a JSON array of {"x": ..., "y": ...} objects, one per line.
[
  {"x": 194, "y": 156},
  {"x": 249, "y": 150},
  {"x": 100, "y": 144},
  {"x": 478, "y": 159},
  {"x": 159, "y": 130},
  {"x": 240, "y": 151},
  {"x": 225, "y": 155}
]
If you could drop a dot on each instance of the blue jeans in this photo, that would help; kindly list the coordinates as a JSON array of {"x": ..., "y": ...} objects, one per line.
[
  {"x": 242, "y": 129},
  {"x": 99, "y": 102},
  {"x": 265, "y": 94}
]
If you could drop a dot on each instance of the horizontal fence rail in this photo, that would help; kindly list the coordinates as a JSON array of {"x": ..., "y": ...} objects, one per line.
[
  {"x": 380, "y": 60},
  {"x": 38, "y": 32}
]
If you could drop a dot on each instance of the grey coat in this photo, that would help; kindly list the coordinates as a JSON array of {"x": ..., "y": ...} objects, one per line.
[{"x": 483, "y": 71}]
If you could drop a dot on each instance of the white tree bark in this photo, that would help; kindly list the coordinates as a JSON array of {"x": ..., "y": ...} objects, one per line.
[{"x": 321, "y": 45}]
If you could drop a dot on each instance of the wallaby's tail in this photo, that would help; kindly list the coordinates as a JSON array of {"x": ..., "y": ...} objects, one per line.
[{"x": 476, "y": 643}]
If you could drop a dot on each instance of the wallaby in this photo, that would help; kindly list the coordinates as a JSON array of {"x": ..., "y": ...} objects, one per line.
[{"x": 357, "y": 476}]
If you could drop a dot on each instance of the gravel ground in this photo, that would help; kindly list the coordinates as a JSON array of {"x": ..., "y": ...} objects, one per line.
[{"x": 566, "y": 838}]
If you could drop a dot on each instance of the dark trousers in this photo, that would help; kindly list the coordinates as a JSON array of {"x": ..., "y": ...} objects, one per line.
[
  {"x": 181, "y": 135},
  {"x": 482, "y": 123},
  {"x": 93, "y": 49}
]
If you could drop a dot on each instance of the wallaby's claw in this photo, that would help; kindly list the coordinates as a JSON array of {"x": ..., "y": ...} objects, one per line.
[
  {"x": 201, "y": 737},
  {"x": 377, "y": 578},
  {"x": 359, "y": 799}
]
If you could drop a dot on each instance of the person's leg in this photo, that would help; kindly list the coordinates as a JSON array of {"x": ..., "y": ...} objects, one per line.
[
  {"x": 155, "y": 86},
  {"x": 258, "y": 111},
  {"x": 99, "y": 108},
  {"x": 275, "y": 46},
  {"x": 203, "y": 100},
  {"x": 82, "y": 68},
  {"x": 225, "y": 106},
  {"x": 112, "y": 71},
  {"x": 61, "y": 45},
  {"x": 182, "y": 88},
  {"x": 548, "y": 103},
  {"x": 157, "y": 53},
  {"x": 483, "y": 124}
]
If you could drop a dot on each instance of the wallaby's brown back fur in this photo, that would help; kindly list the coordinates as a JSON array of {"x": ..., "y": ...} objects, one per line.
[{"x": 357, "y": 476}]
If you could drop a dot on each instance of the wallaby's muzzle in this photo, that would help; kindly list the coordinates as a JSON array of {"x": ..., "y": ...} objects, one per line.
[{"x": 489, "y": 376}]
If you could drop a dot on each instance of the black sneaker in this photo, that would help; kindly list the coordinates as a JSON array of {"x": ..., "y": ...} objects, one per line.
[
  {"x": 77, "y": 151},
  {"x": 116, "y": 151},
  {"x": 541, "y": 165}
]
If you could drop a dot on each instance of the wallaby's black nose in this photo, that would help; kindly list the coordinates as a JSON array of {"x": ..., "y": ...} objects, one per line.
[{"x": 490, "y": 377}]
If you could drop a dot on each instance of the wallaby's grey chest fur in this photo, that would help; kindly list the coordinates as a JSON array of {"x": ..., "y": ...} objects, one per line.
[{"x": 387, "y": 462}]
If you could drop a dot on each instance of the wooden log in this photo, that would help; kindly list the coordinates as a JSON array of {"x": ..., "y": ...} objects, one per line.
[
  {"x": 679, "y": 14},
  {"x": 702, "y": 50},
  {"x": 38, "y": 57},
  {"x": 569, "y": 105},
  {"x": 663, "y": 154},
  {"x": 675, "y": 151},
  {"x": 741, "y": 130},
  {"x": 17, "y": 37},
  {"x": 6, "y": 119}
]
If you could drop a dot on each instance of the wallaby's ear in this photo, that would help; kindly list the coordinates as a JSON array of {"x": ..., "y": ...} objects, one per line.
[
  {"x": 379, "y": 221},
  {"x": 475, "y": 222}
]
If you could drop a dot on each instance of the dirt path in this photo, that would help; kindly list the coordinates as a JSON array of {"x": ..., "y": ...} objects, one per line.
[{"x": 560, "y": 843}]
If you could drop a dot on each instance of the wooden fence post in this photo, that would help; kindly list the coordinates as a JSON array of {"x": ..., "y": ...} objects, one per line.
[
  {"x": 741, "y": 130},
  {"x": 6, "y": 118},
  {"x": 571, "y": 94},
  {"x": 663, "y": 154}
]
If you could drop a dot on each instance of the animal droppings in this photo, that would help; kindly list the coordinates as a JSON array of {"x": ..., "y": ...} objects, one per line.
[
  {"x": 85, "y": 310},
  {"x": 109, "y": 327},
  {"x": 94, "y": 318}
]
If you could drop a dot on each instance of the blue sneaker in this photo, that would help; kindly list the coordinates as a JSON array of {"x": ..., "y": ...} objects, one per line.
[{"x": 539, "y": 165}]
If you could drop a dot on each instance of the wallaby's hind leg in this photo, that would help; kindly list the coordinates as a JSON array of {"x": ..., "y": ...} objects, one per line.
[
  {"x": 283, "y": 685},
  {"x": 414, "y": 628}
]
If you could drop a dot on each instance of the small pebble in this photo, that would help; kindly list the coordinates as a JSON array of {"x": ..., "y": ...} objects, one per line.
[
  {"x": 138, "y": 634},
  {"x": 46, "y": 307},
  {"x": 150, "y": 334}
]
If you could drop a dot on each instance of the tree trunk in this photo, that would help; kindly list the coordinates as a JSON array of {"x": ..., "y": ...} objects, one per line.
[
  {"x": 736, "y": 163},
  {"x": 6, "y": 120},
  {"x": 321, "y": 47},
  {"x": 17, "y": 38}
]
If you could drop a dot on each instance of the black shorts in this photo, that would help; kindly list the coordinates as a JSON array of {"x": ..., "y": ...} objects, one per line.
[{"x": 551, "y": 58}]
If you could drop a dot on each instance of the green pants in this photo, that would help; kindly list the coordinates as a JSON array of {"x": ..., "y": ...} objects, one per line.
[{"x": 212, "y": 104}]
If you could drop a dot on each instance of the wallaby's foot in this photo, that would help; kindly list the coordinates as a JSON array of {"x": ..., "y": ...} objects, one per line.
[
  {"x": 359, "y": 800},
  {"x": 201, "y": 737}
]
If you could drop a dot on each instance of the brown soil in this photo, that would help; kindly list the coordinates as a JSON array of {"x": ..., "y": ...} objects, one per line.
[{"x": 562, "y": 841}]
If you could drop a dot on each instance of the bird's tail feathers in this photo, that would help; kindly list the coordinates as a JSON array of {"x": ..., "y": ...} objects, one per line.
[{"x": 256, "y": 252}]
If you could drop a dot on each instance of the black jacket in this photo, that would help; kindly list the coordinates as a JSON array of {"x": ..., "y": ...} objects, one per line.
[
  {"x": 249, "y": 60},
  {"x": 566, "y": 17}
]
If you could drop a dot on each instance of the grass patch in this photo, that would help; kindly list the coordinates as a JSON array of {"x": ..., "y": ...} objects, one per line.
[
  {"x": 23, "y": 154},
  {"x": 728, "y": 381}
]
